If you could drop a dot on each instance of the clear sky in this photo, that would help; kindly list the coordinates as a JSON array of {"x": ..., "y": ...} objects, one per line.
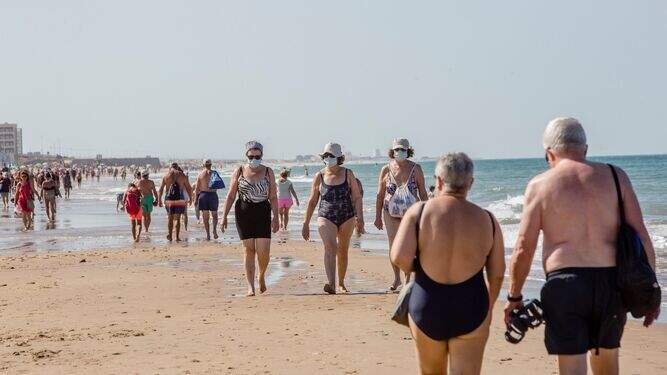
[{"x": 199, "y": 78}]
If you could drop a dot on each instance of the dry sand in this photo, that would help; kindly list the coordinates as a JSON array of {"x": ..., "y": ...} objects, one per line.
[{"x": 179, "y": 309}]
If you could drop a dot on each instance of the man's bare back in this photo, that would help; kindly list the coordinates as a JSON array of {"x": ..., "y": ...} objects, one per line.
[
  {"x": 576, "y": 205},
  {"x": 146, "y": 186},
  {"x": 203, "y": 180}
]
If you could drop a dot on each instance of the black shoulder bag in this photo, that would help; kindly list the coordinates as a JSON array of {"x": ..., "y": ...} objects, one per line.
[{"x": 637, "y": 282}]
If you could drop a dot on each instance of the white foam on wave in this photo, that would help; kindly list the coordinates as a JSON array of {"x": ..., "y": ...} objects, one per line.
[
  {"x": 507, "y": 209},
  {"x": 302, "y": 178}
]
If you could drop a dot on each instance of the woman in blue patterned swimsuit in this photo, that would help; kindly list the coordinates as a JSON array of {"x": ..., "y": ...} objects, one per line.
[{"x": 338, "y": 193}]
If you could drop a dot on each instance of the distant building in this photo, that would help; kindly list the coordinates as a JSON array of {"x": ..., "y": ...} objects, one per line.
[
  {"x": 11, "y": 143},
  {"x": 137, "y": 162},
  {"x": 376, "y": 153}
]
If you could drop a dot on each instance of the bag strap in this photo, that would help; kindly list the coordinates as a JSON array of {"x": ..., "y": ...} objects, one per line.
[{"x": 619, "y": 196}]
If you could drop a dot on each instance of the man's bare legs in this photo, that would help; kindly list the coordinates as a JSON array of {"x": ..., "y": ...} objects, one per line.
[
  {"x": 170, "y": 226},
  {"x": 263, "y": 250},
  {"x": 214, "y": 216},
  {"x": 606, "y": 362},
  {"x": 205, "y": 215},
  {"x": 147, "y": 220},
  {"x": 344, "y": 235},
  {"x": 177, "y": 222},
  {"x": 249, "y": 263}
]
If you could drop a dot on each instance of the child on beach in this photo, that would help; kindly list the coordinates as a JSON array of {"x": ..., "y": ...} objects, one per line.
[{"x": 132, "y": 203}]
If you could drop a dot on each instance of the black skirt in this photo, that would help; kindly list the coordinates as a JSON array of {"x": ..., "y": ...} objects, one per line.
[{"x": 253, "y": 220}]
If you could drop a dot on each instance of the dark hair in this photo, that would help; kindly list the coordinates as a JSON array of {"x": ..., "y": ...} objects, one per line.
[
  {"x": 131, "y": 184},
  {"x": 341, "y": 159},
  {"x": 411, "y": 153},
  {"x": 284, "y": 173}
]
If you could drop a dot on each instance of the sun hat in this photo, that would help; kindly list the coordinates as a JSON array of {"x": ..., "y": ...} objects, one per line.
[
  {"x": 254, "y": 145},
  {"x": 401, "y": 143},
  {"x": 333, "y": 149}
]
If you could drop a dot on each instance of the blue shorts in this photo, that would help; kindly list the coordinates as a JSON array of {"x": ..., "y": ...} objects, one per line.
[{"x": 207, "y": 201}]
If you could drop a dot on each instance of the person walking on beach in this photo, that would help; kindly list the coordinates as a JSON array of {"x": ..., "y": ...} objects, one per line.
[
  {"x": 132, "y": 203},
  {"x": 49, "y": 196},
  {"x": 175, "y": 184},
  {"x": 25, "y": 199},
  {"x": 341, "y": 207},
  {"x": 575, "y": 205},
  {"x": 448, "y": 242},
  {"x": 253, "y": 188},
  {"x": 148, "y": 193},
  {"x": 78, "y": 178},
  {"x": 67, "y": 183},
  {"x": 207, "y": 200},
  {"x": 401, "y": 184},
  {"x": 5, "y": 189},
  {"x": 188, "y": 197},
  {"x": 285, "y": 193}
]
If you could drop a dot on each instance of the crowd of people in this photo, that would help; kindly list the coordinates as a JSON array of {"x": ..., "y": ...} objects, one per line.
[{"x": 450, "y": 250}]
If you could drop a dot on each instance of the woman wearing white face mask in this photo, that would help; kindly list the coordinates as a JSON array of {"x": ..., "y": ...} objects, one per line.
[
  {"x": 336, "y": 188},
  {"x": 255, "y": 186},
  {"x": 401, "y": 184}
]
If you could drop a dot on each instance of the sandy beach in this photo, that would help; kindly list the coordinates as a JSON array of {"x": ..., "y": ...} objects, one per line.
[{"x": 180, "y": 309}]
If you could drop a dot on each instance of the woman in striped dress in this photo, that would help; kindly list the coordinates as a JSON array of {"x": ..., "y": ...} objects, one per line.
[{"x": 253, "y": 188}]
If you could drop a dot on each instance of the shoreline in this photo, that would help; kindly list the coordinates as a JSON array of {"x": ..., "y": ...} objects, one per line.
[{"x": 178, "y": 309}]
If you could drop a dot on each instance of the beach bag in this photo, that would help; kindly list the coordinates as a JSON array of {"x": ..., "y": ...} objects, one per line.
[
  {"x": 637, "y": 281},
  {"x": 132, "y": 202},
  {"x": 402, "y": 198},
  {"x": 216, "y": 181},
  {"x": 400, "y": 314}
]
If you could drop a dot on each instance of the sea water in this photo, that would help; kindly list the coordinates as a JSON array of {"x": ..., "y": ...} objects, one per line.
[{"x": 90, "y": 220}]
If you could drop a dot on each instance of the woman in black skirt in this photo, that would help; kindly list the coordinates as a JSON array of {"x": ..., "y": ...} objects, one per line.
[{"x": 255, "y": 187}]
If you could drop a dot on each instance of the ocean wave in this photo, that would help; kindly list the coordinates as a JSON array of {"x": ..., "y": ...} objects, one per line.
[
  {"x": 507, "y": 211},
  {"x": 302, "y": 178}
]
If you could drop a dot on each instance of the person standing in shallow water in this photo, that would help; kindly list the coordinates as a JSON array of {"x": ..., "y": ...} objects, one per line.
[
  {"x": 175, "y": 183},
  {"x": 148, "y": 193},
  {"x": 401, "y": 184},
  {"x": 253, "y": 188},
  {"x": 285, "y": 194},
  {"x": 341, "y": 207},
  {"x": 207, "y": 200}
]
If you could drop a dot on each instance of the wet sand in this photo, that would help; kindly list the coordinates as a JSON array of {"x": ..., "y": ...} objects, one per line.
[{"x": 180, "y": 309}]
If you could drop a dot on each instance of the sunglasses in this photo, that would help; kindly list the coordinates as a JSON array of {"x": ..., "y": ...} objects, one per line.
[
  {"x": 399, "y": 149},
  {"x": 254, "y": 157},
  {"x": 328, "y": 155}
]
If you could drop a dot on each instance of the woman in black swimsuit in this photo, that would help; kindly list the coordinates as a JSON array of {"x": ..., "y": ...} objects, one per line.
[
  {"x": 255, "y": 187},
  {"x": 336, "y": 189},
  {"x": 448, "y": 243}
]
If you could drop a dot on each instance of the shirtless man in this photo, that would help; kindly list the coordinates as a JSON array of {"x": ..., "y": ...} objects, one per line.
[
  {"x": 175, "y": 183},
  {"x": 207, "y": 200},
  {"x": 575, "y": 206},
  {"x": 148, "y": 193}
]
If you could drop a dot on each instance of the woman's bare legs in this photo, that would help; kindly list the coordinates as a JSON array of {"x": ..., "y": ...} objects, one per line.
[
  {"x": 431, "y": 354},
  {"x": 328, "y": 233},
  {"x": 344, "y": 234},
  {"x": 391, "y": 224},
  {"x": 263, "y": 250},
  {"x": 249, "y": 263}
]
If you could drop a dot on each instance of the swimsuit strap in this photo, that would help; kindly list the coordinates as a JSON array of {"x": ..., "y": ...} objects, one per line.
[{"x": 418, "y": 224}]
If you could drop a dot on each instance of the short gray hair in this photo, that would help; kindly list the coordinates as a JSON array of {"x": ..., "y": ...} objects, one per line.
[
  {"x": 564, "y": 134},
  {"x": 456, "y": 171}
]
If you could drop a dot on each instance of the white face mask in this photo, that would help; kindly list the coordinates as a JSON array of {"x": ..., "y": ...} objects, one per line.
[
  {"x": 400, "y": 155},
  {"x": 254, "y": 163},
  {"x": 330, "y": 162}
]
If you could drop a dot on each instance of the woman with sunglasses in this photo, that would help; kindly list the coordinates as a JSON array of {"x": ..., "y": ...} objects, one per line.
[
  {"x": 255, "y": 187},
  {"x": 401, "y": 184},
  {"x": 25, "y": 198},
  {"x": 337, "y": 191}
]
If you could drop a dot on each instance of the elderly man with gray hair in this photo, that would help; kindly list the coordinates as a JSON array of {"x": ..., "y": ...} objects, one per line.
[
  {"x": 448, "y": 242},
  {"x": 574, "y": 204}
]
